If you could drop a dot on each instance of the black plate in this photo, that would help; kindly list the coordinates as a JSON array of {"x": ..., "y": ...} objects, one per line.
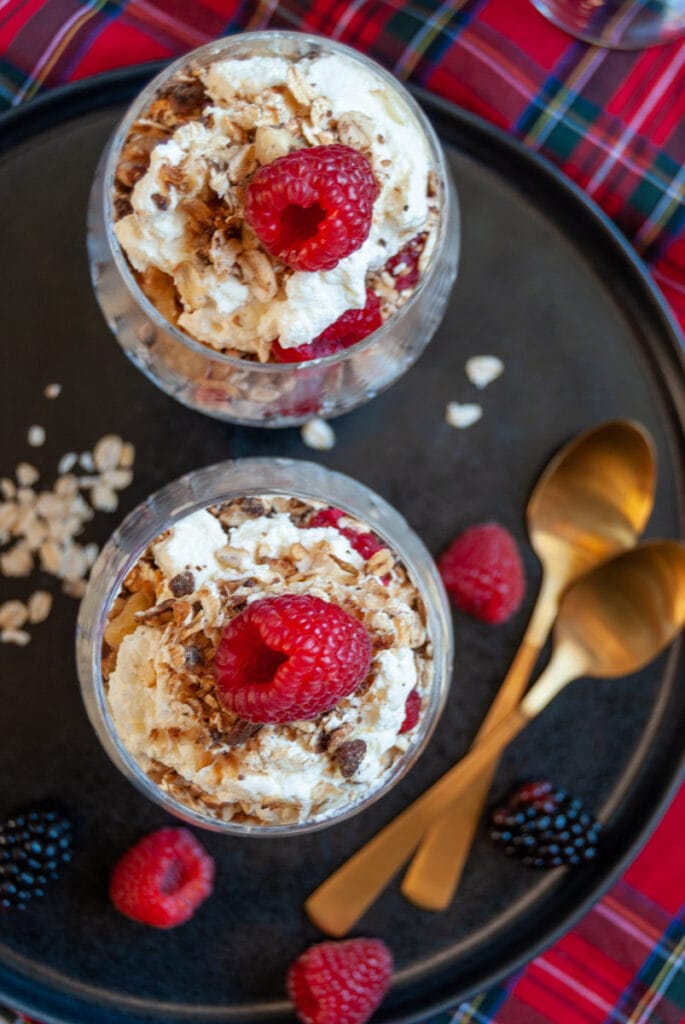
[{"x": 547, "y": 284}]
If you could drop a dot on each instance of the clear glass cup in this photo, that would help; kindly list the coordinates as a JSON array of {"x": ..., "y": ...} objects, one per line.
[
  {"x": 618, "y": 24},
  {"x": 242, "y": 391},
  {"x": 213, "y": 485}
]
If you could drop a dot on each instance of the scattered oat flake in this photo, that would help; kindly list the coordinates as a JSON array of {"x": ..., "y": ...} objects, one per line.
[
  {"x": 18, "y": 561},
  {"x": 319, "y": 434},
  {"x": 15, "y": 636},
  {"x": 107, "y": 452},
  {"x": 26, "y": 474},
  {"x": 117, "y": 479},
  {"x": 42, "y": 527},
  {"x": 53, "y": 390},
  {"x": 462, "y": 416},
  {"x": 39, "y": 606},
  {"x": 36, "y": 436},
  {"x": 103, "y": 498},
  {"x": 13, "y": 614},
  {"x": 67, "y": 463},
  {"x": 482, "y": 370}
]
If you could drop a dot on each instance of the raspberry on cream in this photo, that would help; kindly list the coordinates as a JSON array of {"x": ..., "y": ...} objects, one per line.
[
  {"x": 166, "y": 626},
  {"x": 184, "y": 177}
]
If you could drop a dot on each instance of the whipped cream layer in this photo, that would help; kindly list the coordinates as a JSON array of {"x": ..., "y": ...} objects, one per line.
[
  {"x": 160, "y": 686},
  {"x": 228, "y": 306}
]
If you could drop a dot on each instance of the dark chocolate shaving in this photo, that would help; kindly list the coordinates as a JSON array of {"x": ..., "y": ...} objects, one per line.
[
  {"x": 350, "y": 755},
  {"x": 182, "y": 584}
]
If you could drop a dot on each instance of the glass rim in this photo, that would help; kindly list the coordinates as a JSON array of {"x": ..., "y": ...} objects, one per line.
[
  {"x": 217, "y": 46},
  {"x": 105, "y": 584}
]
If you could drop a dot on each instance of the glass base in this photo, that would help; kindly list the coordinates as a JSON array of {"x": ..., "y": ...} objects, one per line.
[{"x": 618, "y": 24}]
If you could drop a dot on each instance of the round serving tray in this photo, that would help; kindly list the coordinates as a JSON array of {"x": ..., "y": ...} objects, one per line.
[{"x": 546, "y": 283}]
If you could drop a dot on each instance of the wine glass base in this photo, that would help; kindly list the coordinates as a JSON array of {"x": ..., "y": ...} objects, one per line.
[{"x": 618, "y": 24}]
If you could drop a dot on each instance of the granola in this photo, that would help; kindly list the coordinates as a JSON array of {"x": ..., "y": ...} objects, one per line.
[
  {"x": 162, "y": 632},
  {"x": 179, "y": 195}
]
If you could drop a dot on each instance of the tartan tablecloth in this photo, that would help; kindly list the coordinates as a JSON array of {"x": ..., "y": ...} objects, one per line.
[{"x": 615, "y": 123}]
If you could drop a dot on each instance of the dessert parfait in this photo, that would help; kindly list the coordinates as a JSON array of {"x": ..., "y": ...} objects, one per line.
[
  {"x": 266, "y": 661},
  {"x": 270, "y": 202}
]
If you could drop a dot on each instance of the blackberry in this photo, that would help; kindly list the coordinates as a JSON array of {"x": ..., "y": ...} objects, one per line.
[
  {"x": 33, "y": 845},
  {"x": 545, "y": 827}
]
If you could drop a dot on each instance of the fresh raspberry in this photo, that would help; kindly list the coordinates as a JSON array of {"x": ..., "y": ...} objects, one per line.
[
  {"x": 483, "y": 572},
  {"x": 404, "y": 265},
  {"x": 365, "y": 543},
  {"x": 412, "y": 711},
  {"x": 354, "y": 325},
  {"x": 312, "y": 208},
  {"x": 163, "y": 879},
  {"x": 340, "y": 982},
  {"x": 291, "y": 657}
]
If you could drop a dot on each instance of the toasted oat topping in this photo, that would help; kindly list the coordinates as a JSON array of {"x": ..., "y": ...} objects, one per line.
[
  {"x": 215, "y": 281},
  {"x": 164, "y": 627}
]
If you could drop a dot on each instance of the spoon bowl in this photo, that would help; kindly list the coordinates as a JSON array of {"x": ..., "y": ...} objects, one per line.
[
  {"x": 593, "y": 499},
  {"x": 622, "y": 613}
]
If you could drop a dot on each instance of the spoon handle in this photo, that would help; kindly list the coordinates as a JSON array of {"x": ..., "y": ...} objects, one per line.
[
  {"x": 340, "y": 901},
  {"x": 434, "y": 873}
]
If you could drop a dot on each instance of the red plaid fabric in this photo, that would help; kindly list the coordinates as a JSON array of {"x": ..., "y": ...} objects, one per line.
[{"x": 615, "y": 123}]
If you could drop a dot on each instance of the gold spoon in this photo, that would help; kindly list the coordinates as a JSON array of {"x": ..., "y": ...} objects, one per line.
[
  {"x": 611, "y": 622},
  {"x": 592, "y": 501}
]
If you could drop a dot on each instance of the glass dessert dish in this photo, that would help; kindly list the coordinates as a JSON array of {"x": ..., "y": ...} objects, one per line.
[
  {"x": 191, "y": 565},
  {"x": 200, "y": 296}
]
